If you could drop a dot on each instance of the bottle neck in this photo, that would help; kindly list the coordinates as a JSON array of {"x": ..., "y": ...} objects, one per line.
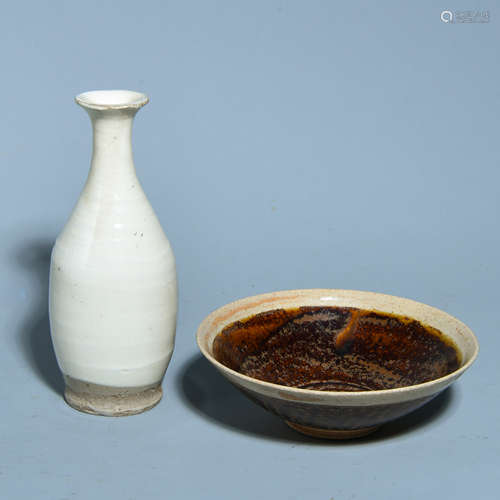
[{"x": 112, "y": 159}]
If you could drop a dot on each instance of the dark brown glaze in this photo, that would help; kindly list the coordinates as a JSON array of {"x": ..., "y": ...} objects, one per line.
[
  {"x": 335, "y": 417},
  {"x": 336, "y": 349}
]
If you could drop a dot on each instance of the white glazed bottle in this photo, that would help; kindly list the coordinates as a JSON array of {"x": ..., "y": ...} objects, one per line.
[{"x": 113, "y": 286}]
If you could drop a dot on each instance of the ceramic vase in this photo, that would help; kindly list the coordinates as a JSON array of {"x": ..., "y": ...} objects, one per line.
[{"x": 113, "y": 287}]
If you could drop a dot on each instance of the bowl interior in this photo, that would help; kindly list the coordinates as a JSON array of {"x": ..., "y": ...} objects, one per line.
[
  {"x": 334, "y": 340},
  {"x": 335, "y": 348}
]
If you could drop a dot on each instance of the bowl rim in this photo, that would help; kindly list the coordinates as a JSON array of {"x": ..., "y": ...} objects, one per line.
[{"x": 309, "y": 394}]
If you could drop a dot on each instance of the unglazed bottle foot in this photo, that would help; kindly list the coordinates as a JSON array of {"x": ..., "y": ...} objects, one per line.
[{"x": 110, "y": 401}]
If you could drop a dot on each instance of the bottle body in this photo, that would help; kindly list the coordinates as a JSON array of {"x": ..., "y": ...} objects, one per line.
[{"x": 113, "y": 286}]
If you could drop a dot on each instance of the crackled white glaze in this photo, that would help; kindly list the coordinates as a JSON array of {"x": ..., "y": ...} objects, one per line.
[{"x": 113, "y": 288}]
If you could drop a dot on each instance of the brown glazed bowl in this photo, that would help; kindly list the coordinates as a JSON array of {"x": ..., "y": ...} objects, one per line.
[{"x": 335, "y": 409}]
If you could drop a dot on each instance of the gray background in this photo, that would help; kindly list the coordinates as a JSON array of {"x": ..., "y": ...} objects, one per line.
[{"x": 287, "y": 145}]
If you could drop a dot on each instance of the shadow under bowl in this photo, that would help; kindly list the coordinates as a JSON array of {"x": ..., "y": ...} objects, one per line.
[{"x": 336, "y": 364}]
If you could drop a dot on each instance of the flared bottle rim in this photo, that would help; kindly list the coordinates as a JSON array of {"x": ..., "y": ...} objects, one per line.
[{"x": 112, "y": 99}]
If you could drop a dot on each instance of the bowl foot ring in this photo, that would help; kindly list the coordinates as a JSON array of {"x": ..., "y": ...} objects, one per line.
[{"x": 331, "y": 433}]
